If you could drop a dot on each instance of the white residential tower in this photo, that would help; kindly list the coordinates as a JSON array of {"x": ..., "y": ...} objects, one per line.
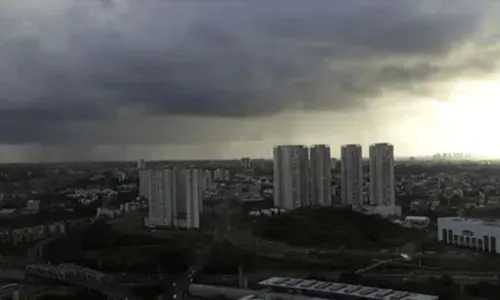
[
  {"x": 382, "y": 191},
  {"x": 351, "y": 165},
  {"x": 291, "y": 176},
  {"x": 321, "y": 177},
  {"x": 174, "y": 195}
]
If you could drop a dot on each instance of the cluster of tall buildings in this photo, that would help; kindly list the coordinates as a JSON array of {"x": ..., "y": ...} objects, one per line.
[
  {"x": 175, "y": 195},
  {"x": 302, "y": 176},
  {"x": 452, "y": 156}
]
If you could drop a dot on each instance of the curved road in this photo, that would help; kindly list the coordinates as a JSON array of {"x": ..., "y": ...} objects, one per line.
[{"x": 8, "y": 289}]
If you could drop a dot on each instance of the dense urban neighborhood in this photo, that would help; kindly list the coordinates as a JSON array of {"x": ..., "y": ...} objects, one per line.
[{"x": 95, "y": 216}]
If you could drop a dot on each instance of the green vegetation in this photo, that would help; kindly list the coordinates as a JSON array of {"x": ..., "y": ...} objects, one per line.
[
  {"x": 43, "y": 218},
  {"x": 334, "y": 228},
  {"x": 225, "y": 257},
  {"x": 101, "y": 248},
  {"x": 20, "y": 249}
]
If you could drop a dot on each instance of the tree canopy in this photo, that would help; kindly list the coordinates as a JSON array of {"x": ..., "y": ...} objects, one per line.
[{"x": 332, "y": 227}]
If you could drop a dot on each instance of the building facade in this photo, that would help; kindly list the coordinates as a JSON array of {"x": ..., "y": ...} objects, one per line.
[
  {"x": 382, "y": 191},
  {"x": 291, "y": 176},
  {"x": 351, "y": 168},
  {"x": 321, "y": 176},
  {"x": 476, "y": 234},
  {"x": 246, "y": 163},
  {"x": 141, "y": 164},
  {"x": 336, "y": 290},
  {"x": 144, "y": 182},
  {"x": 175, "y": 196},
  {"x": 156, "y": 186}
]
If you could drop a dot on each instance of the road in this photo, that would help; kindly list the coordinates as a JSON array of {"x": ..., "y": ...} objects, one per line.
[{"x": 8, "y": 289}]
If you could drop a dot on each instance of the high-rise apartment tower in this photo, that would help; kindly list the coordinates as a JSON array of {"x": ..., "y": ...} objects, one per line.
[
  {"x": 174, "y": 196},
  {"x": 321, "y": 176},
  {"x": 382, "y": 191},
  {"x": 291, "y": 176},
  {"x": 351, "y": 168}
]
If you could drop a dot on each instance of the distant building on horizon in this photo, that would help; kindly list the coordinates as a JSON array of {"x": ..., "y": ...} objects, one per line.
[
  {"x": 246, "y": 163},
  {"x": 351, "y": 170},
  {"x": 321, "y": 176},
  {"x": 291, "y": 176},
  {"x": 141, "y": 164},
  {"x": 382, "y": 181}
]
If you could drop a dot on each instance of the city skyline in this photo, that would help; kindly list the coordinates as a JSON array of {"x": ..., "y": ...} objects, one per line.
[
  {"x": 88, "y": 80},
  {"x": 302, "y": 176}
]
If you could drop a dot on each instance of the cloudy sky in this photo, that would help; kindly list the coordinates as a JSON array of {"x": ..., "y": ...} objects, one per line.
[{"x": 124, "y": 79}]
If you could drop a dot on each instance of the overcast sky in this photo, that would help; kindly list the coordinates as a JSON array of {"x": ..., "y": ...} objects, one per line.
[{"x": 160, "y": 79}]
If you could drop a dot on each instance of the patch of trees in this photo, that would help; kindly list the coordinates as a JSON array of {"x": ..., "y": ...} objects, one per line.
[
  {"x": 225, "y": 257},
  {"x": 96, "y": 237},
  {"x": 20, "y": 249},
  {"x": 43, "y": 218},
  {"x": 140, "y": 260},
  {"x": 332, "y": 227},
  {"x": 139, "y": 253}
]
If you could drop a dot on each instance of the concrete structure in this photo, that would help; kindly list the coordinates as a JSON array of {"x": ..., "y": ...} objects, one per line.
[
  {"x": 291, "y": 176},
  {"x": 188, "y": 198},
  {"x": 383, "y": 210},
  {"x": 212, "y": 292},
  {"x": 382, "y": 191},
  {"x": 351, "y": 168},
  {"x": 246, "y": 163},
  {"x": 144, "y": 182},
  {"x": 321, "y": 176},
  {"x": 157, "y": 185},
  {"x": 222, "y": 175},
  {"x": 476, "y": 234},
  {"x": 335, "y": 290},
  {"x": 208, "y": 180},
  {"x": 419, "y": 222},
  {"x": 141, "y": 164},
  {"x": 33, "y": 205},
  {"x": 175, "y": 196}
]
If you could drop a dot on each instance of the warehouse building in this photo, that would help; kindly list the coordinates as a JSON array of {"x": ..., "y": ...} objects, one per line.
[
  {"x": 335, "y": 290},
  {"x": 472, "y": 233}
]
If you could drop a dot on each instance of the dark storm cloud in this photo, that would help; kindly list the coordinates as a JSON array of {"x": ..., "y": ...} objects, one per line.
[{"x": 83, "y": 61}]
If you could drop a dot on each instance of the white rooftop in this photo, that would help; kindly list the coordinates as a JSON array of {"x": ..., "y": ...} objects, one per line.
[
  {"x": 335, "y": 288},
  {"x": 472, "y": 221}
]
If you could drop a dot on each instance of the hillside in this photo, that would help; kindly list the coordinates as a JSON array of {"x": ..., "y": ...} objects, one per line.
[{"x": 334, "y": 228}]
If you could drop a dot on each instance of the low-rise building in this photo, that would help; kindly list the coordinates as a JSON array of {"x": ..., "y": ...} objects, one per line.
[
  {"x": 337, "y": 290},
  {"x": 473, "y": 233},
  {"x": 419, "y": 222}
]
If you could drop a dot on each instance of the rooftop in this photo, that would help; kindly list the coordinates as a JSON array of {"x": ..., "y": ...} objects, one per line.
[
  {"x": 483, "y": 222},
  {"x": 335, "y": 288}
]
